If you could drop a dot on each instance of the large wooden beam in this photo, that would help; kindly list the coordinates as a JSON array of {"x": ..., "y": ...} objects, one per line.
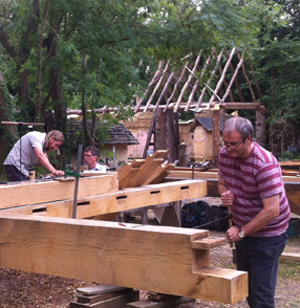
[
  {"x": 122, "y": 200},
  {"x": 289, "y": 256},
  {"x": 154, "y": 258},
  {"x": 293, "y": 194},
  {"x": 132, "y": 175},
  {"x": 33, "y": 192},
  {"x": 189, "y": 174}
]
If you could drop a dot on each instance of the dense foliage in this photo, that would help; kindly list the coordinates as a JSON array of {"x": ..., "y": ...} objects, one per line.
[{"x": 90, "y": 54}]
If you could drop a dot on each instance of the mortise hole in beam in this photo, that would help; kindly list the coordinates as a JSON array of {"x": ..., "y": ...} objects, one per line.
[
  {"x": 121, "y": 197},
  {"x": 83, "y": 203},
  {"x": 154, "y": 192},
  {"x": 184, "y": 187},
  {"x": 39, "y": 210}
]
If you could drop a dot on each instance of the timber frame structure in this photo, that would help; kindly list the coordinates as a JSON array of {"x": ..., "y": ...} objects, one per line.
[
  {"x": 203, "y": 82},
  {"x": 214, "y": 82},
  {"x": 217, "y": 81}
]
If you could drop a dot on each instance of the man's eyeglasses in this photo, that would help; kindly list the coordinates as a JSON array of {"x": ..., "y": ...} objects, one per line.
[
  {"x": 88, "y": 155},
  {"x": 231, "y": 146}
]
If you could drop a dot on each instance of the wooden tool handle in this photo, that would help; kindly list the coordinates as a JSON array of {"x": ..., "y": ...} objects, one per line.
[
  {"x": 22, "y": 123},
  {"x": 230, "y": 225}
]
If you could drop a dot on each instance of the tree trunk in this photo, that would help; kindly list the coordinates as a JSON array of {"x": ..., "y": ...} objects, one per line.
[
  {"x": 26, "y": 43},
  {"x": 58, "y": 105},
  {"x": 3, "y": 105},
  {"x": 87, "y": 132},
  {"x": 38, "y": 108},
  {"x": 55, "y": 91}
]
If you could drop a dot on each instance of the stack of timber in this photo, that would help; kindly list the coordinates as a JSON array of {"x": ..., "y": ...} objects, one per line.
[
  {"x": 140, "y": 172},
  {"x": 106, "y": 296}
]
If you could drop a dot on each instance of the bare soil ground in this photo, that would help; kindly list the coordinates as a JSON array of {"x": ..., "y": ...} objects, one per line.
[{"x": 23, "y": 290}]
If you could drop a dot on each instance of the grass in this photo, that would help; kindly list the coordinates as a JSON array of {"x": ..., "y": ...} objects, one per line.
[
  {"x": 3, "y": 177},
  {"x": 289, "y": 270},
  {"x": 295, "y": 304}
]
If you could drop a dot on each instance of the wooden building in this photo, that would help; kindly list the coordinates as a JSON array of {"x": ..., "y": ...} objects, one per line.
[
  {"x": 116, "y": 140},
  {"x": 196, "y": 134}
]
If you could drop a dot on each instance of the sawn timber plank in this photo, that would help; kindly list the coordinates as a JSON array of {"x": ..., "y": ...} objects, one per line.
[
  {"x": 151, "y": 163},
  {"x": 145, "y": 172},
  {"x": 288, "y": 256},
  {"x": 117, "y": 301},
  {"x": 92, "y": 299},
  {"x": 47, "y": 191},
  {"x": 161, "y": 172},
  {"x": 208, "y": 243},
  {"x": 128, "y": 171},
  {"x": 122, "y": 200},
  {"x": 99, "y": 289},
  {"x": 154, "y": 258}
]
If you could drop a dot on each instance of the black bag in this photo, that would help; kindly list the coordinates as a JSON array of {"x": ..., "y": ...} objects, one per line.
[
  {"x": 194, "y": 214},
  {"x": 215, "y": 215}
]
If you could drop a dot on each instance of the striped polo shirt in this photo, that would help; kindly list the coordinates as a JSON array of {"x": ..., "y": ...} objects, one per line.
[{"x": 251, "y": 180}]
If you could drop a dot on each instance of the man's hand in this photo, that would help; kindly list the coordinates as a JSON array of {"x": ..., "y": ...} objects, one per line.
[
  {"x": 58, "y": 173},
  {"x": 227, "y": 198},
  {"x": 43, "y": 161},
  {"x": 232, "y": 234}
]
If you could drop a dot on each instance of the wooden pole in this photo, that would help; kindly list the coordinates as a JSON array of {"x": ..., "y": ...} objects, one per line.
[
  {"x": 216, "y": 137},
  {"x": 22, "y": 123},
  {"x": 79, "y": 156}
]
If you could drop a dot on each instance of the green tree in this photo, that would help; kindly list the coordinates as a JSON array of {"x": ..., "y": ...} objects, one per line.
[
  {"x": 95, "y": 53},
  {"x": 277, "y": 65}
]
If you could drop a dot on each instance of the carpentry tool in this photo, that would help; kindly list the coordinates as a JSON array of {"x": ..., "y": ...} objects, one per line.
[
  {"x": 232, "y": 244},
  {"x": 72, "y": 173},
  {"x": 230, "y": 224},
  {"x": 68, "y": 173}
]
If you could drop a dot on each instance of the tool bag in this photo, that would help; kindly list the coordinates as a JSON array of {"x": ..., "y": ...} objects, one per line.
[
  {"x": 199, "y": 213},
  {"x": 194, "y": 214},
  {"x": 216, "y": 218}
]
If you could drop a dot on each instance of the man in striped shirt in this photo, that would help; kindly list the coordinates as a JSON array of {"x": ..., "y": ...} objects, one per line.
[{"x": 250, "y": 183}]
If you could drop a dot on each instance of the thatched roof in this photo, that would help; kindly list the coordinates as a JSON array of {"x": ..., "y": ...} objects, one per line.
[
  {"x": 119, "y": 134},
  {"x": 206, "y": 122}
]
